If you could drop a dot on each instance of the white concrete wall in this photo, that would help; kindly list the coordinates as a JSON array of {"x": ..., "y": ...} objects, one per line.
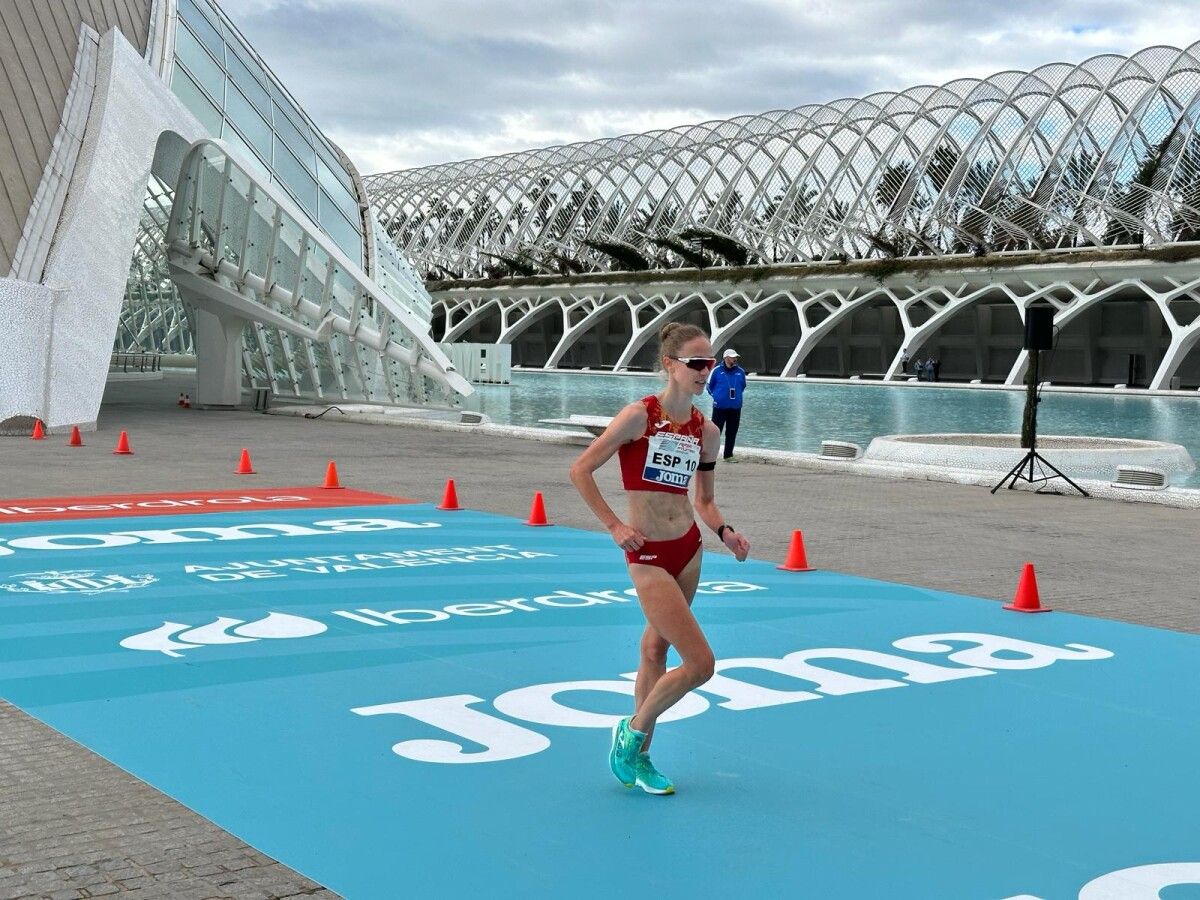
[
  {"x": 89, "y": 257},
  {"x": 26, "y": 328}
]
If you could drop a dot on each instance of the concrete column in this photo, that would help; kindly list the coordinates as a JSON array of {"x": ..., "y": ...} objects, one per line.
[
  {"x": 218, "y": 359},
  {"x": 1182, "y": 342},
  {"x": 983, "y": 340},
  {"x": 1091, "y": 340}
]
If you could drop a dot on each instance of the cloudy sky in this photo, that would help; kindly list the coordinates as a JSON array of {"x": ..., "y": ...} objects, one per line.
[{"x": 402, "y": 83}]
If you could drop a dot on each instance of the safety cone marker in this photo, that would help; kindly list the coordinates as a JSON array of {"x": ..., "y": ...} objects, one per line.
[
  {"x": 796, "y": 560},
  {"x": 450, "y": 497},
  {"x": 39, "y": 433},
  {"x": 331, "y": 478},
  {"x": 1026, "y": 599},
  {"x": 244, "y": 467},
  {"x": 76, "y": 438},
  {"x": 537, "y": 512},
  {"x": 123, "y": 448}
]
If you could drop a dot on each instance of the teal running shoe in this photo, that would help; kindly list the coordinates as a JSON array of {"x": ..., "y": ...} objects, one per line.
[
  {"x": 622, "y": 759},
  {"x": 649, "y": 779}
]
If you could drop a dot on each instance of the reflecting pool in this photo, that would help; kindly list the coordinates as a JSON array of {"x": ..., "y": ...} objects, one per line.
[{"x": 797, "y": 416}]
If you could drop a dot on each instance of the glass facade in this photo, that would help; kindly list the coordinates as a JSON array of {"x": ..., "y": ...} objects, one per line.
[
  {"x": 235, "y": 223},
  {"x": 234, "y": 95}
]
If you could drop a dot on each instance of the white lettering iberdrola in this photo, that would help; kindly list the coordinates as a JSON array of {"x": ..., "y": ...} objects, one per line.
[
  {"x": 543, "y": 704},
  {"x": 159, "y": 639},
  {"x": 162, "y": 503}
]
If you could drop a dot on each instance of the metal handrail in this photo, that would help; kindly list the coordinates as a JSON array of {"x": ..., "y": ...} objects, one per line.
[{"x": 253, "y": 251}]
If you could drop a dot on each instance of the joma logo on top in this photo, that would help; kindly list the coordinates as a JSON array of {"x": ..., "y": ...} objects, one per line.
[{"x": 190, "y": 535}]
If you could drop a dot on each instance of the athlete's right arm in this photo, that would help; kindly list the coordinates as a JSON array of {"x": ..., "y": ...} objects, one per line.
[{"x": 628, "y": 425}]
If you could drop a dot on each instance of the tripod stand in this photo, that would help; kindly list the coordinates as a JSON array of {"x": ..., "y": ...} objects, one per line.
[{"x": 1032, "y": 457}]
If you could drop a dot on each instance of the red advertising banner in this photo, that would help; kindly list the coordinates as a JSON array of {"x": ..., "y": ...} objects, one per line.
[{"x": 180, "y": 502}]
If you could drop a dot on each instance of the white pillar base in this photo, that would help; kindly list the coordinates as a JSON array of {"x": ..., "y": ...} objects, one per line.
[{"x": 218, "y": 360}]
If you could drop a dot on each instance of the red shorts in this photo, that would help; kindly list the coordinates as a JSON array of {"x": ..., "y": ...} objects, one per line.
[{"x": 672, "y": 555}]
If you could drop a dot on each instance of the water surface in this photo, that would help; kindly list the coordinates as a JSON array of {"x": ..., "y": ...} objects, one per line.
[{"x": 797, "y": 416}]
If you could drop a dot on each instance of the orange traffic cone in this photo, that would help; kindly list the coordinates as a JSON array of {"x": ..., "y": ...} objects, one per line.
[
  {"x": 1026, "y": 599},
  {"x": 331, "y": 478},
  {"x": 76, "y": 438},
  {"x": 537, "y": 512},
  {"x": 450, "y": 498},
  {"x": 244, "y": 467},
  {"x": 123, "y": 445},
  {"x": 796, "y": 560},
  {"x": 39, "y": 433}
]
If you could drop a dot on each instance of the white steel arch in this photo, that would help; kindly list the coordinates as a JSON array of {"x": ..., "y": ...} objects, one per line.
[{"x": 1099, "y": 153}]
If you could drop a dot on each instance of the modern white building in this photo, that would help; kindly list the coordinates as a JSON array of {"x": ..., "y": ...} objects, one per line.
[
  {"x": 162, "y": 191},
  {"x": 831, "y": 238}
]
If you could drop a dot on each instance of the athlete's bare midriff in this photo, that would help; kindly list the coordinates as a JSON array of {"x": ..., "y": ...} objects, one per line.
[{"x": 660, "y": 516}]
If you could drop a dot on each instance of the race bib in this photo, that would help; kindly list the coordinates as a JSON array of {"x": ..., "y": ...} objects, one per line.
[{"x": 671, "y": 459}]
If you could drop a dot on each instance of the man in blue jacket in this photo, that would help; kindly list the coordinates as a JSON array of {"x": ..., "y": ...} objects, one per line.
[{"x": 726, "y": 385}]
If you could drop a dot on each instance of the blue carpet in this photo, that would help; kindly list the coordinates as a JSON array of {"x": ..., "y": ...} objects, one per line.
[{"x": 367, "y": 702}]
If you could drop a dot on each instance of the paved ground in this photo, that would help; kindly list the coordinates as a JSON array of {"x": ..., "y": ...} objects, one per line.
[{"x": 72, "y": 825}]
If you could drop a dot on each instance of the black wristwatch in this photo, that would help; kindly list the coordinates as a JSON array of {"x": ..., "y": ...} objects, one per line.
[{"x": 721, "y": 531}]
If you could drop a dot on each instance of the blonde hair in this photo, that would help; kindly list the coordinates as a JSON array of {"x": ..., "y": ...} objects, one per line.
[{"x": 673, "y": 335}]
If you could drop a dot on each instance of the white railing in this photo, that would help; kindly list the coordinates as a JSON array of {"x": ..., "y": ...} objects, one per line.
[{"x": 321, "y": 326}]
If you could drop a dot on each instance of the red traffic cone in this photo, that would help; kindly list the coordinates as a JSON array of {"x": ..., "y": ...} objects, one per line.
[
  {"x": 180, "y": 402},
  {"x": 537, "y": 512},
  {"x": 39, "y": 433},
  {"x": 1026, "y": 599},
  {"x": 796, "y": 560},
  {"x": 123, "y": 445},
  {"x": 244, "y": 467},
  {"x": 450, "y": 498},
  {"x": 76, "y": 438},
  {"x": 331, "y": 478}
]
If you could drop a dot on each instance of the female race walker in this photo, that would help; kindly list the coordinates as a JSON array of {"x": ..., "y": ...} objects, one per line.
[{"x": 662, "y": 441}]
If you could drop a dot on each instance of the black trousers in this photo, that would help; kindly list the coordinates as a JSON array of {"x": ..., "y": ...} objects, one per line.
[{"x": 731, "y": 418}]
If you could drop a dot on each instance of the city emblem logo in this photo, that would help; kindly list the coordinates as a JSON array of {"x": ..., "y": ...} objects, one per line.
[
  {"x": 172, "y": 637},
  {"x": 59, "y": 583}
]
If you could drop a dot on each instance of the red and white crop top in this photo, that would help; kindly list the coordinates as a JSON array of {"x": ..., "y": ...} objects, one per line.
[{"x": 665, "y": 457}]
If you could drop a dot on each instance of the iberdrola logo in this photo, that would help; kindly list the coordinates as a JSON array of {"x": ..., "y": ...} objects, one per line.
[
  {"x": 58, "y": 583},
  {"x": 172, "y": 638}
]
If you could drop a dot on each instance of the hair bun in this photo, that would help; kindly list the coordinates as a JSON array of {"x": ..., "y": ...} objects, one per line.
[{"x": 665, "y": 331}]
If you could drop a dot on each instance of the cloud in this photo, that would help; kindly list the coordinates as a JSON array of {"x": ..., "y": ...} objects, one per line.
[{"x": 401, "y": 83}]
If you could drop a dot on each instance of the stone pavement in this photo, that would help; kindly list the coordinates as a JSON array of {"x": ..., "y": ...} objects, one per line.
[{"x": 73, "y": 825}]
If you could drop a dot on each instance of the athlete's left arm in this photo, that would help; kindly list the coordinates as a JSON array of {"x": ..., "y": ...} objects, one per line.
[{"x": 705, "y": 500}]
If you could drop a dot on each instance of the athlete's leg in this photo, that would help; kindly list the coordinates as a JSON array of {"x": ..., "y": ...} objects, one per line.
[
  {"x": 666, "y": 608},
  {"x": 652, "y": 664}
]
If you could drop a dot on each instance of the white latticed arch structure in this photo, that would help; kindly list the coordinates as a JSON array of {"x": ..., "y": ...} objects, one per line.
[
  {"x": 1095, "y": 154},
  {"x": 1063, "y": 159}
]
